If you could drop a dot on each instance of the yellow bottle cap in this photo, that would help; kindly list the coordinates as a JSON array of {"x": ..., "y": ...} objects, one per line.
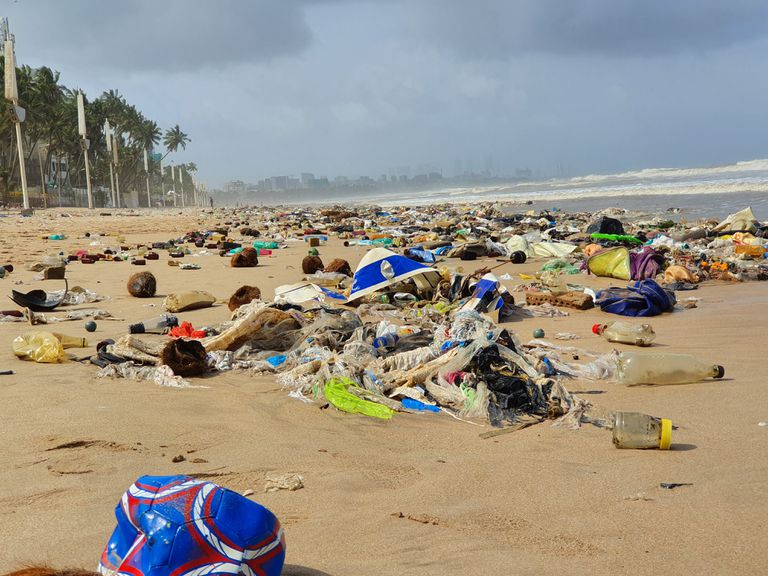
[{"x": 666, "y": 434}]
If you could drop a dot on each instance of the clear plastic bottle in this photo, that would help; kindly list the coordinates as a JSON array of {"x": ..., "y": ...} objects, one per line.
[
  {"x": 71, "y": 341},
  {"x": 157, "y": 325},
  {"x": 626, "y": 333},
  {"x": 635, "y": 368},
  {"x": 635, "y": 430}
]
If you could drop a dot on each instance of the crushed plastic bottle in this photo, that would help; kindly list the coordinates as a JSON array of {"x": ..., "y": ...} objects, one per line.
[
  {"x": 634, "y": 368},
  {"x": 626, "y": 333},
  {"x": 635, "y": 430}
]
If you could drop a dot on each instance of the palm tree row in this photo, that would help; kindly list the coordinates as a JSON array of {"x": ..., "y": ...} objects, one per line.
[{"x": 52, "y": 145}]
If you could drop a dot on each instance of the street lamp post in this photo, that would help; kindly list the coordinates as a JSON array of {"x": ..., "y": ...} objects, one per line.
[{"x": 12, "y": 94}]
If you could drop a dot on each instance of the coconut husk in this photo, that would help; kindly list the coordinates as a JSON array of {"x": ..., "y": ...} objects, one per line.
[
  {"x": 142, "y": 285},
  {"x": 250, "y": 232},
  {"x": 185, "y": 357},
  {"x": 339, "y": 266},
  {"x": 243, "y": 295},
  {"x": 311, "y": 264},
  {"x": 248, "y": 258}
]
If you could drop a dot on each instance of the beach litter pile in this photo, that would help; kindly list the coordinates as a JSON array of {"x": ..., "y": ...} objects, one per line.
[{"x": 409, "y": 330}]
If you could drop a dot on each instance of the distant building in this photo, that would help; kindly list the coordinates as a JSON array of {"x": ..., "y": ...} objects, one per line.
[
  {"x": 306, "y": 178},
  {"x": 279, "y": 183},
  {"x": 59, "y": 169},
  {"x": 235, "y": 187}
]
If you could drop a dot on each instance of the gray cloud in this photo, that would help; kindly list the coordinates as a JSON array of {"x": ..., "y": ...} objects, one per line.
[
  {"x": 359, "y": 87},
  {"x": 170, "y": 35},
  {"x": 615, "y": 28}
]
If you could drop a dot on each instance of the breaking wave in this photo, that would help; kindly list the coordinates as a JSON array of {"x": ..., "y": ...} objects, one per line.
[{"x": 741, "y": 177}]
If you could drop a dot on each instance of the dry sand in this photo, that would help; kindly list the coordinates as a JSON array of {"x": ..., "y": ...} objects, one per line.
[{"x": 415, "y": 495}]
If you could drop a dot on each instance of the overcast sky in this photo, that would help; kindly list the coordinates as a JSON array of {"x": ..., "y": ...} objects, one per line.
[{"x": 270, "y": 87}]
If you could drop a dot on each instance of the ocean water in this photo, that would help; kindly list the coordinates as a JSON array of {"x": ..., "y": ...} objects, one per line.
[{"x": 695, "y": 192}]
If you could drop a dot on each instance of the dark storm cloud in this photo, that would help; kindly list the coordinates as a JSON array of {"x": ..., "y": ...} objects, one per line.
[
  {"x": 614, "y": 28},
  {"x": 269, "y": 87},
  {"x": 150, "y": 35}
]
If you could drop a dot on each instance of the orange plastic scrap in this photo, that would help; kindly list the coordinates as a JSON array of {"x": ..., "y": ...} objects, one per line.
[{"x": 185, "y": 330}]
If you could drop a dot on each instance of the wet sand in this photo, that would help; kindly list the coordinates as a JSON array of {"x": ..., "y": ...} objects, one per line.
[{"x": 420, "y": 494}]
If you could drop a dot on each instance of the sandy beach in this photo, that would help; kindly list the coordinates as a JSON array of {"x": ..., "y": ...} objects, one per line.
[{"x": 420, "y": 494}]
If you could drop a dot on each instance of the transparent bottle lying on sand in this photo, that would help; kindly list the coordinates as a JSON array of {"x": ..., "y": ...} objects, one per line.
[
  {"x": 626, "y": 333},
  {"x": 635, "y": 368},
  {"x": 635, "y": 430},
  {"x": 157, "y": 325},
  {"x": 71, "y": 341}
]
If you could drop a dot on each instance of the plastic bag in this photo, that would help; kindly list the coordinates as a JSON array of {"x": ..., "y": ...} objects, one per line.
[
  {"x": 643, "y": 298},
  {"x": 613, "y": 263},
  {"x": 41, "y": 347},
  {"x": 336, "y": 393},
  {"x": 160, "y": 375}
]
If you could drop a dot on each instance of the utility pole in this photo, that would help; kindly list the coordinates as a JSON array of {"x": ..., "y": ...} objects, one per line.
[
  {"x": 181, "y": 182},
  {"x": 115, "y": 159},
  {"x": 162, "y": 185},
  {"x": 173, "y": 177},
  {"x": 108, "y": 136},
  {"x": 84, "y": 144},
  {"x": 12, "y": 94},
  {"x": 42, "y": 176},
  {"x": 146, "y": 171}
]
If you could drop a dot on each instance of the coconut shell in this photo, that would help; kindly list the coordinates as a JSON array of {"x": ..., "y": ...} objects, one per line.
[
  {"x": 142, "y": 285},
  {"x": 248, "y": 258},
  {"x": 311, "y": 264},
  {"x": 243, "y": 295},
  {"x": 339, "y": 266},
  {"x": 185, "y": 357}
]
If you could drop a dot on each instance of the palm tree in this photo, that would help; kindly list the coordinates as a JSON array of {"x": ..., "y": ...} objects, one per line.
[
  {"x": 175, "y": 138},
  {"x": 147, "y": 134}
]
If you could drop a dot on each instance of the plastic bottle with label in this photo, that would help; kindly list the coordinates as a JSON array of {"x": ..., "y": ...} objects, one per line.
[
  {"x": 157, "y": 325},
  {"x": 635, "y": 368},
  {"x": 388, "y": 340},
  {"x": 626, "y": 333},
  {"x": 635, "y": 430}
]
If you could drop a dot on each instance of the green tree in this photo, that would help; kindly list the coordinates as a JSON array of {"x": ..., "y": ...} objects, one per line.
[{"x": 175, "y": 139}]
